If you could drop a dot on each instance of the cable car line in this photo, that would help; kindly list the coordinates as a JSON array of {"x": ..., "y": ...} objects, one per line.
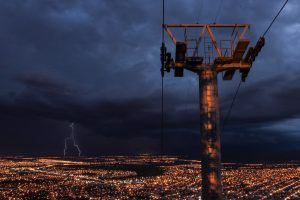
[
  {"x": 163, "y": 58},
  {"x": 255, "y": 51},
  {"x": 275, "y": 18}
]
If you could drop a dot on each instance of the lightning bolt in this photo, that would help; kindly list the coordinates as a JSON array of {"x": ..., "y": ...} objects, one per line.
[{"x": 72, "y": 138}]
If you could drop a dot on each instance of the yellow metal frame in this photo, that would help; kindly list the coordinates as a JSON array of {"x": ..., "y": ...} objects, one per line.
[{"x": 207, "y": 28}]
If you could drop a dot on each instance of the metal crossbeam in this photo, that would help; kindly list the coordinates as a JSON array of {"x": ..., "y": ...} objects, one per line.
[{"x": 229, "y": 61}]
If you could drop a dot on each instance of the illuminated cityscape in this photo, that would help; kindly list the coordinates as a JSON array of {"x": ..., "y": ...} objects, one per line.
[
  {"x": 139, "y": 177},
  {"x": 113, "y": 100}
]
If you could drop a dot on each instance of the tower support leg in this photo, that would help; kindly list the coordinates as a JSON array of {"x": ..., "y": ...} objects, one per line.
[{"x": 210, "y": 135}]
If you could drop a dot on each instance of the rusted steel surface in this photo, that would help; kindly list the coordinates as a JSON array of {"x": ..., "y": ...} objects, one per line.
[
  {"x": 210, "y": 135},
  {"x": 210, "y": 25}
]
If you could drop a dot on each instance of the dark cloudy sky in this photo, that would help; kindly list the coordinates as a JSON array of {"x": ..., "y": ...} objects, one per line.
[{"x": 96, "y": 62}]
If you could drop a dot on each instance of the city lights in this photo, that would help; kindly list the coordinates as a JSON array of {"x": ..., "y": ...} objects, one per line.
[{"x": 145, "y": 177}]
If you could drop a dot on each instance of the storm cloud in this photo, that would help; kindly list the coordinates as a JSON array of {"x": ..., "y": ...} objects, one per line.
[{"x": 97, "y": 63}]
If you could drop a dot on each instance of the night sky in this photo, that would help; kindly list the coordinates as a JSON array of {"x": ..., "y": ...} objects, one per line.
[{"x": 96, "y": 63}]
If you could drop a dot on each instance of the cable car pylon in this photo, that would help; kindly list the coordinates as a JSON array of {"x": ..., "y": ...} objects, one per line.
[{"x": 229, "y": 54}]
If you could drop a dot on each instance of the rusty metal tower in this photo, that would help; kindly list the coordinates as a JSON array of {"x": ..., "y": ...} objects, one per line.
[
  {"x": 209, "y": 49},
  {"x": 199, "y": 51}
]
